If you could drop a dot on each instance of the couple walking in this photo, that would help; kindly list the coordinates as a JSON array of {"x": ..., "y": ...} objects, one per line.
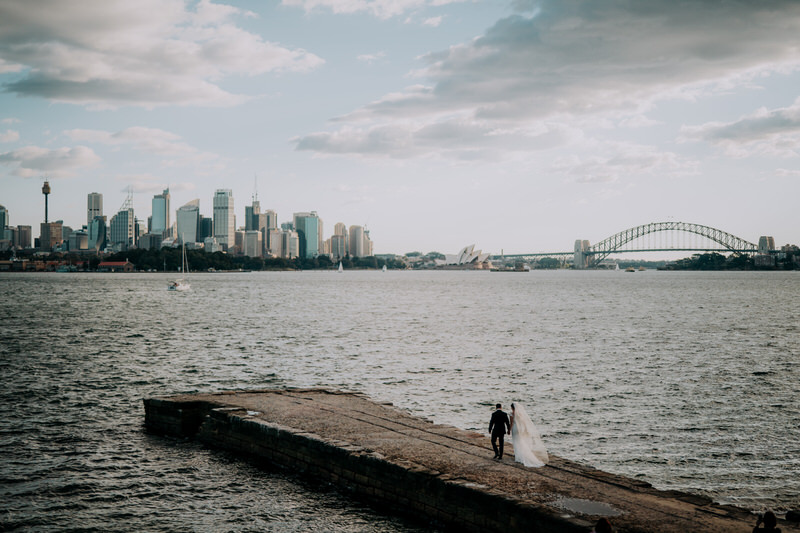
[{"x": 528, "y": 446}]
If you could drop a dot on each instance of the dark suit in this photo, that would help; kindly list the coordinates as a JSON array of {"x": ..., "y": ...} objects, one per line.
[{"x": 498, "y": 426}]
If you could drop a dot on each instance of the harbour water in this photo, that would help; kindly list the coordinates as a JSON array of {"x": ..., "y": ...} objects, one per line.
[{"x": 688, "y": 380}]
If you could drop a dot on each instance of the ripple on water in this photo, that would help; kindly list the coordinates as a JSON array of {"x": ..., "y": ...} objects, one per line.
[{"x": 663, "y": 377}]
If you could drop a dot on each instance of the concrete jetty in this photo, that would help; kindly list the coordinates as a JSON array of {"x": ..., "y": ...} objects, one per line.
[{"x": 441, "y": 474}]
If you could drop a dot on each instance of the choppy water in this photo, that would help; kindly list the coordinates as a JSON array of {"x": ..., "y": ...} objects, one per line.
[{"x": 687, "y": 380}]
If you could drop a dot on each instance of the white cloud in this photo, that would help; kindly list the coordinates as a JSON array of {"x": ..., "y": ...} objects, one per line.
[
  {"x": 61, "y": 162},
  {"x": 150, "y": 140},
  {"x": 9, "y": 136},
  {"x": 454, "y": 138},
  {"x": 382, "y": 9},
  {"x": 108, "y": 53},
  {"x": 571, "y": 60},
  {"x": 10, "y": 120},
  {"x": 371, "y": 58},
  {"x": 765, "y": 132},
  {"x": 433, "y": 22}
]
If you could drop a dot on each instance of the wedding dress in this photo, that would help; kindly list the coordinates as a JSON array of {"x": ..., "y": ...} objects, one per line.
[{"x": 528, "y": 446}]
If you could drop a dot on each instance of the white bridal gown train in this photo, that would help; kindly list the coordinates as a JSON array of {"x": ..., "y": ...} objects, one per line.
[{"x": 528, "y": 446}]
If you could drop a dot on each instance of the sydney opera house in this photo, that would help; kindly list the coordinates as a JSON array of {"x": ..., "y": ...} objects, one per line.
[{"x": 467, "y": 258}]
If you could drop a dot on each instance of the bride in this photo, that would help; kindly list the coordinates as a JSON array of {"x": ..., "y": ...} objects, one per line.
[{"x": 528, "y": 446}]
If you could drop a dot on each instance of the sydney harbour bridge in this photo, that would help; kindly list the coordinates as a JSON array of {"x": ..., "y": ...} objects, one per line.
[{"x": 657, "y": 237}]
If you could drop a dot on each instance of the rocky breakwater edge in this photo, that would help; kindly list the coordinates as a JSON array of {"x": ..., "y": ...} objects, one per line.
[{"x": 438, "y": 474}]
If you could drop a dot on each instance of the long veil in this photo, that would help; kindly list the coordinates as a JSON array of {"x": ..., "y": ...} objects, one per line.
[{"x": 528, "y": 446}]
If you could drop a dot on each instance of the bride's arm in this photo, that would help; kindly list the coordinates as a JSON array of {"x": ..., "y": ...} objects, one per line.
[{"x": 511, "y": 425}]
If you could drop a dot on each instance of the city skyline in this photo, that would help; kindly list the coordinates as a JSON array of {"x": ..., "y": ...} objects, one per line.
[{"x": 520, "y": 127}]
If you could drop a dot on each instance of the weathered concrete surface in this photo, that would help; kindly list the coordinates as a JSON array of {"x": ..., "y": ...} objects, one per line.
[{"x": 410, "y": 465}]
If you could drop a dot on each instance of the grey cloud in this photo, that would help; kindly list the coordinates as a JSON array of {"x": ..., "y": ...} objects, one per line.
[
  {"x": 775, "y": 132},
  {"x": 107, "y": 53},
  {"x": 61, "y": 162},
  {"x": 456, "y": 139},
  {"x": 570, "y": 58}
]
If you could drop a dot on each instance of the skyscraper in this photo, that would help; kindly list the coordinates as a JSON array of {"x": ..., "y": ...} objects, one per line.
[
  {"x": 224, "y": 221},
  {"x": 251, "y": 215},
  {"x": 94, "y": 207},
  {"x": 98, "y": 233},
  {"x": 357, "y": 241},
  {"x": 122, "y": 229},
  {"x": 3, "y": 219},
  {"x": 160, "y": 217},
  {"x": 189, "y": 222},
  {"x": 307, "y": 226}
]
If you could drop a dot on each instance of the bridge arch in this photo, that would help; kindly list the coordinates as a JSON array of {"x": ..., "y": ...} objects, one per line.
[{"x": 592, "y": 255}]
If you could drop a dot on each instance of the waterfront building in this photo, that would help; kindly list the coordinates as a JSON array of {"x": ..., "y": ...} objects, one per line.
[
  {"x": 224, "y": 218},
  {"x": 253, "y": 244},
  {"x": 159, "y": 222},
  {"x": 151, "y": 241},
  {"x": 3, "y": 219},
  {"x": 188, "y": 222},
  {"x": 210, "y": 245},
  {"x": 307, "y": 226},
  {"x": 94, "y": 207}
]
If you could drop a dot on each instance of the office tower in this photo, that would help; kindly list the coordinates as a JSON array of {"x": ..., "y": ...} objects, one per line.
[
  {"x": 338, "y": 247},
  {"x": 189, "y": 229},
  {"x": 224, "y": 221},
  {"x": 273, "y": 246},
  {"x": 206, "y": 228},
  {"x": 78, "y": 240},
  {"x": 357, "y": 241},
  {"x": 367, "y": 244},
  {"x": 98, "y": 233},
  {"x": 122, "y": 229},
  {"x": 94, "y": 207},
  {"x": 253, "y": 244},
  {"x": 160, "y": 222},
  {"x": 24, "y": 236},
  {"x": 238, "y": 247},
  {"x": 307, "y": 227},
  {"x": 251, "y": 216},
  {"x": 50, "y": 235},
  {"x": 290, "y": 244},
  {"x": 272, "y": 219},
  {"x": 3, "y": 219}
]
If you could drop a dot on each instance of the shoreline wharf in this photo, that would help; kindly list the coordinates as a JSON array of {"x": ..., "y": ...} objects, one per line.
[{"x": 442, "y": 475}]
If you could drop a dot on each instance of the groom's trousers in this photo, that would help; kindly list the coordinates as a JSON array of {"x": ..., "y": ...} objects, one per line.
[{"x": 495, "y": 437}]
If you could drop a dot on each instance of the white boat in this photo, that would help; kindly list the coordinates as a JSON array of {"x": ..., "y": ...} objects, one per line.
[
  {"x": 384, "y": 268},
  {"x": 341, "y": 269},
  {"x": 181, "y": 284}
]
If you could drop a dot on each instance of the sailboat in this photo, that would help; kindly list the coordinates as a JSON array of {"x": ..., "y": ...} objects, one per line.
[
  {"x": 341, "y": 269},
  {"x": 181, "y": 284},
  {"x": 384, "y": 268}
]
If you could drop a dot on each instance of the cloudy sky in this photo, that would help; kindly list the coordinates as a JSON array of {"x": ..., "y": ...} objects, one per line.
[{"x": 515, "y": 125}]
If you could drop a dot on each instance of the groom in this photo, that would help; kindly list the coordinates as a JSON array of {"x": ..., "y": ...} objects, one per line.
[{"x": 497, "y": 427}]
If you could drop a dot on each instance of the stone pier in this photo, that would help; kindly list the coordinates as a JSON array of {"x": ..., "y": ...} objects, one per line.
[{"x": 435, "y": 473}]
